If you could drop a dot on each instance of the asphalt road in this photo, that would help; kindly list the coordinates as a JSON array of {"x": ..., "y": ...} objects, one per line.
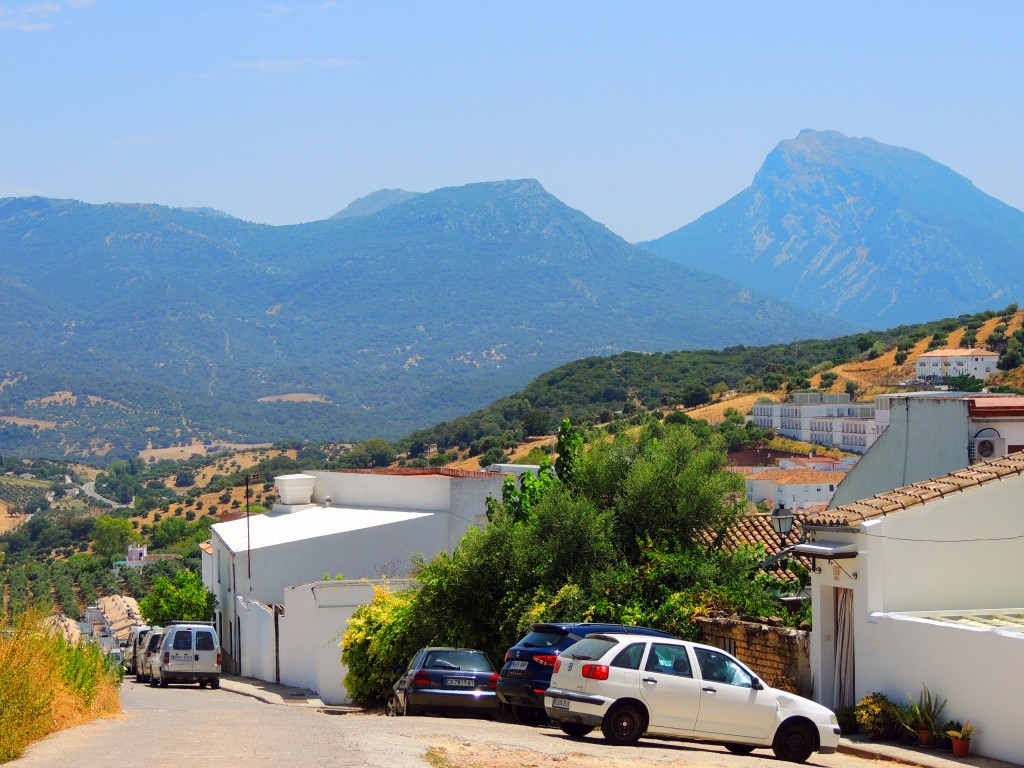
[{"x": 163, "y": 727}]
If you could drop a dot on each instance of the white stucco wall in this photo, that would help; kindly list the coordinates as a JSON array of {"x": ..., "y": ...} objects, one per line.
[
  {"x": 426, "y": 493},
  {"x": 315, "y": 620},
  {"x": 926, "y": 437},
  {"x": 258, "y": 642},
  {"x": 977, "y": 671}
]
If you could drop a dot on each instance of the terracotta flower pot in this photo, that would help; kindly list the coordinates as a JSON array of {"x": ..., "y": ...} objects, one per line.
[
  {"x": 961, "y": 747},
  {"x": 926, "y": 738}
]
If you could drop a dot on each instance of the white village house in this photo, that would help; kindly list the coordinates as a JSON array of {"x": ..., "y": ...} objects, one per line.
[
  {"x": 277, "y": 618},
  {"x": 940, "y": 364},
  {"x": 924, "y": 585}
]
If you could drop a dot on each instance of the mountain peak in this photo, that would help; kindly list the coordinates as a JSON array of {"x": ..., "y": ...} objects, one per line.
[
  {"x": 374, "y": 203},
  {"x": 862, "y": 230}
]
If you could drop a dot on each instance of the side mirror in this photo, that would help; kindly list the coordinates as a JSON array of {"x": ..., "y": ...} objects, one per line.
[
  {"x": 757, "y": 685},
  {"x": 397, "y": 670}
]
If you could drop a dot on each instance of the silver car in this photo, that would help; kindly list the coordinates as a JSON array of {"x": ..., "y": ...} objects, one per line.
[
  {"x": 189, "y": 653},
  {"x": 629, "y": 685}
]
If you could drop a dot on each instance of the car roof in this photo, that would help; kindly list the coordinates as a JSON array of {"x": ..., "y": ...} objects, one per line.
[{"x": 601, "y": 626}]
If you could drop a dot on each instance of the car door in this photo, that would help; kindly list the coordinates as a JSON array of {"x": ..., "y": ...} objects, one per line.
[
  {"x": 729, "y": 703},
  {"x": 205, "y": 652},
  {"x": 405, "y": 681},
  {"x": 669, "y": 688},
  {"x": 180, "y": 652}
]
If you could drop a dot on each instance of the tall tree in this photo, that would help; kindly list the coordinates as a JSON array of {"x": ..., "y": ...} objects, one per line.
[
  {"x": 112, "y": 535},
  {"x": 181, "y": 598}
]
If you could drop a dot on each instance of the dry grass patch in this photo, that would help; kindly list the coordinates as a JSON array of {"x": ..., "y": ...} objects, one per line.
[{"x": 48, "y": 684}]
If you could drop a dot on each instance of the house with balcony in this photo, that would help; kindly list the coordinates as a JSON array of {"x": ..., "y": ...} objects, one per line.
[
  {"x": 829, "y": 419},
  {"x": 940, "y": 364}
]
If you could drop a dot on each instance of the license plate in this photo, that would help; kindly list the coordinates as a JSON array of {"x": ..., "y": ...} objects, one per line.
[
  {"x": 459, "y": 682},
  {"x": 518, "y": 664},
  {"x": 560, "y": 703}
]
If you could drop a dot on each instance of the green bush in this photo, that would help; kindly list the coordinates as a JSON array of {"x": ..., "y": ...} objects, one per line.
[{"x": 877, "y": 716}]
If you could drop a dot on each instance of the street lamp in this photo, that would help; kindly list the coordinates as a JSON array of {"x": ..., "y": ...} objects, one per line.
[{"x": 782, "y": 523}]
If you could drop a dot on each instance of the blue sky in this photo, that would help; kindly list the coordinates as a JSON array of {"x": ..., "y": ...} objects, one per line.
[{"x": 643, "y": 115}]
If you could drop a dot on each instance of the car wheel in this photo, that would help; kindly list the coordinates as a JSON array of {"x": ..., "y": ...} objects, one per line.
[
  {"x": 739, "y": 749},
  {"x": 215, "y": 683},
  {"x": 393, "y": 708},
  {"x": 576, "y": 730},
  {"x": 152, "y": 682},
  {"x": 138, "y": 677},
  {"x": 624, "y": 724},
  {"x": 794, "y": 742},
  {"x": 529, "y": 715},
  {"x": 202, "y": 683},
  {"x": 163, "y": 682}
]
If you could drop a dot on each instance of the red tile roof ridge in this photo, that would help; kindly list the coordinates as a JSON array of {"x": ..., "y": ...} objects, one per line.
[
  {"x": 913, "y": 495},
  {"x": 802, "y": 476},
  {"x": 976, "y": 351}
]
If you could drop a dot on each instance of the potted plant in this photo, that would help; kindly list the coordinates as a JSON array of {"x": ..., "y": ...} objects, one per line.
[
  {"x": 907, "y": 719},
  {"x": 942, "y": 734},
  {"x": 876, "y": 715},
  {"x": 926, "y": 711},
  {"x": 961, "y": 739}
]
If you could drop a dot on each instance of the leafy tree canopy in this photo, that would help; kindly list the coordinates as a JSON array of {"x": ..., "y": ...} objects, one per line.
[{"x": 179, "y": 598}]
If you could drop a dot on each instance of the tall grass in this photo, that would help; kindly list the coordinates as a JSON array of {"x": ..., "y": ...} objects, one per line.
[{"x": 47, "y": 684}]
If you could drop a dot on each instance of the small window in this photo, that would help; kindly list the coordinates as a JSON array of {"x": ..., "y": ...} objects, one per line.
[
  {"x": 669, "y": 660},
  {"x": 204, "y": 641},
  {"x": 182, "y": 640},
  {"x": 629, "y": 657}
]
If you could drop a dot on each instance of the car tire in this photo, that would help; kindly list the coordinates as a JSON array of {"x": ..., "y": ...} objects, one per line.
[
  {"x": 215, "y": 683},
  {"x": 163, "y": 681},
  {"x": 138, "y": 677},
  {"x": 740, "y": 749},
  {"x": 393, "y": 708},
  {"x": 152, "y": 682},
  {"x": 575, "y": 730},
  {"x": 531, "y": 716},
  {"x": 624, "y": 724},
  {"x": 202, "y": 683},
  {"x": 794, "y": 742}
]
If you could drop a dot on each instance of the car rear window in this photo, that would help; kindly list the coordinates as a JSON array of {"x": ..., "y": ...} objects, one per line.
[
  {"x": 204, "y": 641},
  {"x": 154, "y": 642},
  {"x": 467, "y": 660},
  {"x": 589, "y": 648},
  {"x": 183, "y": 640},
  {"x": 540, "y": 638}
]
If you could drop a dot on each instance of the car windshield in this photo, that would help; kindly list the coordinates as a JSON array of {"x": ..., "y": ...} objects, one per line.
[
  {"x": 473, "y": 661},
  {"x": 540, "y": 638},
  {"x": 589, "y": 648}
]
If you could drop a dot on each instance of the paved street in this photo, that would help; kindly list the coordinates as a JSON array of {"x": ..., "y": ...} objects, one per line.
[
  {"x": 272, "y": 726},
  {"x": 161, "y": 726}
]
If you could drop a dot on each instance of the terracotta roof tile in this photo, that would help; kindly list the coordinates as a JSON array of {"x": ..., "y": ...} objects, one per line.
[
  {"x": 442, "y": 471},
  {"x": 798, "y": 476},
  {"x": 959, "y": 352},
  {"x": 909, "y": 496},
  {"x": 756, "y": 529}
]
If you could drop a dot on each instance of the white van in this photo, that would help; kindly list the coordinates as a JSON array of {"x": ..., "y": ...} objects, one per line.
[
  {"x": 189, "y": 653},
  {"x": 134, "y": 647}
]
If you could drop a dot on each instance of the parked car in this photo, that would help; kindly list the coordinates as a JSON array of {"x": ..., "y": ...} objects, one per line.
[
  {"x": 189, "y": 653},
  {"x": 133, "y": 648},
  {"x": 452, "y": 680},
  {"x": 526, "y": 673},
  {"x": 628, "y": 685},
  {"x": 150, "y": 649}
]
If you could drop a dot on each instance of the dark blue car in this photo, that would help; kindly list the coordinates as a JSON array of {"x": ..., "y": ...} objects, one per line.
[{"x": 530, "y": 662}]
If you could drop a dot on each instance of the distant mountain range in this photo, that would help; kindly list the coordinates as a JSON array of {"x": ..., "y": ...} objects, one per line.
[
  {"x": 875, "y": 234},
  {"x": 403, "y": 310}
]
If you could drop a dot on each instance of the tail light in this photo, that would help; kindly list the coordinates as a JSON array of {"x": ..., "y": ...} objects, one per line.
[
  {"x": 546, "y": 659},
  {"x": 421, "y": 679},
  {"x": 595, "y": 671},
  {"x": 558, "y": 664},
  {"x": 493, "y": 682},
  {"x": 167, "y": 657},
  {"x": 508, "y": 655},
  {"x": 218, "y": 659}
]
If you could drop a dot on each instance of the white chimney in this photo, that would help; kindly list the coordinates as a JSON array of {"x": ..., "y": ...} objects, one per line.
[{"x": 295, "y": 489}]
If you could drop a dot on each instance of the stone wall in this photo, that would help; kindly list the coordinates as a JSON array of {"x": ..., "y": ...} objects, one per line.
[{"x": 779, "y": 655}]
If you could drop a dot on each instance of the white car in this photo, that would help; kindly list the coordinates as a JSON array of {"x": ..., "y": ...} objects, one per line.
[{"x": 628, "y": 685}]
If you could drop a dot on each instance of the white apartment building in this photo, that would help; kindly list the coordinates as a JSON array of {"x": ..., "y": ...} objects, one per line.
[
  {"x": 940, "y": 364},
  {"x": 831, "y": 420}
]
